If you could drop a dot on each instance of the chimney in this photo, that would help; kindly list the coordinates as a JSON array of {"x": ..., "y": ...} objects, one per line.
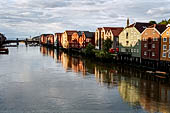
[{"x": 127, "y": 22}]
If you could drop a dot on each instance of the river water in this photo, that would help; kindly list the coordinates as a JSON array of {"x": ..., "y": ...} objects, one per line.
[{"x": 37, "y": 79}]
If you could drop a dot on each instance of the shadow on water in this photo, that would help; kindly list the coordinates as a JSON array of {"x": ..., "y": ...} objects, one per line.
[{"x": 135, "y": 87}]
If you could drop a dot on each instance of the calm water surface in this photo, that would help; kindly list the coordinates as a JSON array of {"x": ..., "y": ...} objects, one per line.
[{"x": 37, "y": 79}]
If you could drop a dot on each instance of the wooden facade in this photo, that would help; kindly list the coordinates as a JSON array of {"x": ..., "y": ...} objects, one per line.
[
  {"x": 130, "y": 39},
  {"x": 150, "y": 43},
  {"x": 47, "y": 39},
  {"x": 98, "y": 38},
  {"x": 66, "y": 38},
  {"x": 58, "y": 39},
  {"x": 165, "y": 45}
]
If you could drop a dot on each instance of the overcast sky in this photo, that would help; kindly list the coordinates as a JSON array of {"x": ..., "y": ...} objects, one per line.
[{"x": 25, "y": 18}]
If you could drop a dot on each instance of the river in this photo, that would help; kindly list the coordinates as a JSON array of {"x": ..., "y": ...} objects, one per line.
[{"x": 37, "y": 79}]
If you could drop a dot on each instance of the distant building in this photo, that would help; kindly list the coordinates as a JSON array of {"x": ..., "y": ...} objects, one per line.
[
  {"x": 98, "y": 38},
  {"x": 130, "y": 40},
  {"x": 47, "y": 39},
  {"x": 165, "y": 45},
  {"x": 107, "y": 33},
  {"x": 2, "y": 39},
  {"x": 81, "y": 39},
  {"x": 151, "y": 41},
  {"x": 37, "y": 38},
  {"x": 66, "y": 38},
  {"x": 86, "y": 38},
  {"x": 58, "y": 39}
]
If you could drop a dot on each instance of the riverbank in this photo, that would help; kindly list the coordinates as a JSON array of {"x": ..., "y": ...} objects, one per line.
[{"x": 154, "y": 74}]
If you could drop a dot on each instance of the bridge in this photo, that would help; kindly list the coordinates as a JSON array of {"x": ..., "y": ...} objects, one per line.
[{"x": 17, "y": 41}]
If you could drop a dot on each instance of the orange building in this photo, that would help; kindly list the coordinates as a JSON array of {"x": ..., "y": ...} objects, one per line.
[
  {"x": 165, "y": 45},
  {"x": 47, "y": 39},
  {"x": 150, "y": 43},
  {"x": 66, "y": 38},
  {"x": 86, "y": 38},
  {"x": 81, "y": 39}
]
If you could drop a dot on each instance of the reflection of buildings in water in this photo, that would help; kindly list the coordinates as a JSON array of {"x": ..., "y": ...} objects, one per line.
[
  {"x": 75, "y": 64},
  {"x": 106, "y": 76},
  {"x": 153, "y": 97},
  {"x": 48, "y": 52},
  {"x": 43, "y": 50}
]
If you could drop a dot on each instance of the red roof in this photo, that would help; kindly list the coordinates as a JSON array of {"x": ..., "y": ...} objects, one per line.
[{"x": 117, "y": 31}]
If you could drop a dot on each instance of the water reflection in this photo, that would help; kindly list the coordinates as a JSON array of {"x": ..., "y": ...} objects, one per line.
[{"x": 135, "y": 87}]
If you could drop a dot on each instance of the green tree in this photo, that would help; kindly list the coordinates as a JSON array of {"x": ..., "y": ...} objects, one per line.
[
  {"x": 152, "y": 22},
  {"x": 164, "y": 22},
  {"x": 89, "y": 50},
  {"x": 107, "y": 44}
]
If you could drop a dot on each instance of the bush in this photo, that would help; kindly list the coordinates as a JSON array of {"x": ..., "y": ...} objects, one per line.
[
  {"x": 89, "y": 50},
  {"x": 107, "y": 44}
]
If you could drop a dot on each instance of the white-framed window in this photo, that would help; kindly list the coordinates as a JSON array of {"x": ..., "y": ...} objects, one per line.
[
  {"x": 137, "y": 50},
  {"x": 145, "y": 45},
  {"x": 145, "y": 53},
  {"x": 137, "y": 43},
  {"x": 169, "y": 55},
  {"x": 153, "y": 45},
  {"x": 169, "y": 47},
  {"x": 164, "y": 54},
  {"x": 164, "y": 47},
  {"x": 153, "y": 53},
  {"x": 155, "y": 39},
  {"x": 134, "y": 50},
  {"x": 167, "y": 32},
  {"x": 146, "y": 33},
  {"x": 165, "y": 39}
]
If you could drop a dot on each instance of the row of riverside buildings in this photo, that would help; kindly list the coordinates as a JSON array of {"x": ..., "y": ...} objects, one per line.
[{"x": 139, "y": 42}]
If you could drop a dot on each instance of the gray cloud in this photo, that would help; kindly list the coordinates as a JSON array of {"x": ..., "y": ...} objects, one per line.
[{"x": 33, "y": 17}]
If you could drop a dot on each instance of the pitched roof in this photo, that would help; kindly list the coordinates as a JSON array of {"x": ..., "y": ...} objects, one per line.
[
  {"x": 70, "y": 32},
  {"x": 140, "y": 26},
  {"x": 117, "y": 31},
  {"x": 161, "y": 28},
  {"x": 89, "y": 34},
  {"x": 46, "y": 34}
]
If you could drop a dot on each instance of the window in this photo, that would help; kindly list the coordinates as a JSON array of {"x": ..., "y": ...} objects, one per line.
[
  {"x": 137, "y": 50},
  {"x": 167, "y": 32},
  {"x": 134, "y": 50},
  {"x": 153, "y": 53},
  {"x": 153, "y": 32},
  {"x": 153, "y": 45},
  {"x": 155, "y": 39},
  {"x": 169, "y": 55},
  {"x": 127, "y": 35},
  {"x": 165, "y": 39},
  {"x": 145, "y": 53},
  {"x": 145, "y": 45},
  {"x": 164, "y": 47},
  {"x": 146, "y": 33},
  {"x": 164, "y": 54}
]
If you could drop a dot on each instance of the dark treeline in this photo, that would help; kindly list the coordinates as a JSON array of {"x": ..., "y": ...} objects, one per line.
[{"x": 163, "y": 22}]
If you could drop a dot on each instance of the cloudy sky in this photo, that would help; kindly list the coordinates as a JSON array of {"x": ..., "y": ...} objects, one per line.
[{"x": 25, "y": 18}]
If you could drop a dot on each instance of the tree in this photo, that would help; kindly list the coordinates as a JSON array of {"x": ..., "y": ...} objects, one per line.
[
  {"x": 89, "y": 50},
  {"x": 107, "y": 44},
  {"x": 152, "y": 22},
  {"x": 164, "y": 22}
]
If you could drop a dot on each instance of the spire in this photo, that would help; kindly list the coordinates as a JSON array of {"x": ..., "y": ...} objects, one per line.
[{"x": 128, "y": 22}]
